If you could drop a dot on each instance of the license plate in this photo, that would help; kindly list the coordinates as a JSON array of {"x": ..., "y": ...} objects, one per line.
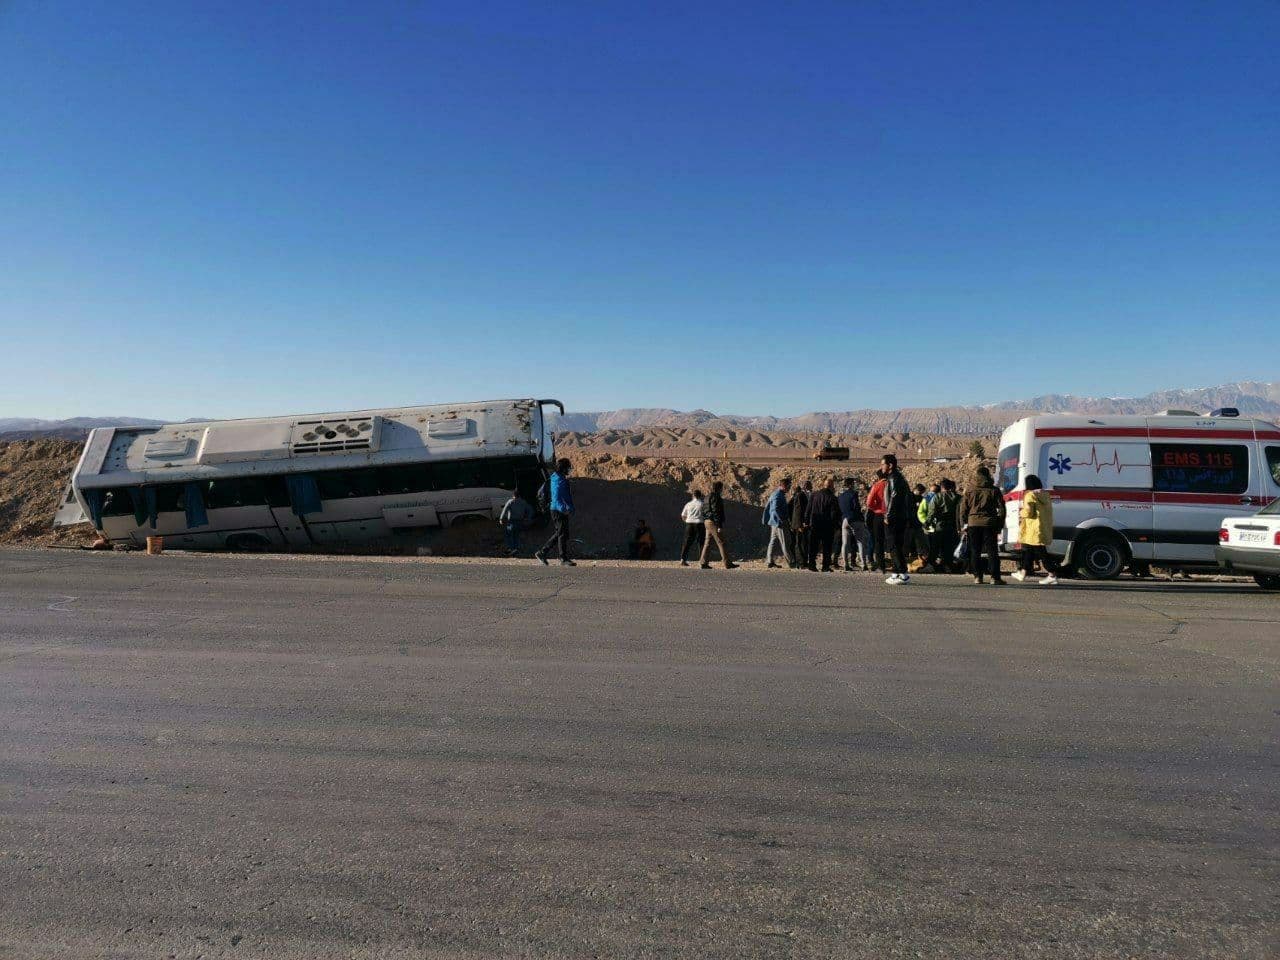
[{"x": 1247, "y": 536}]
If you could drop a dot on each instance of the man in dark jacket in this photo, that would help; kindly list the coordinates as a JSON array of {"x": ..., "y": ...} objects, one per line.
[
  {"x": 823, "y": 520},
  {"x": 899, "y": 508},
  {"x": 800, "y": 523},
  {"x": 981, "y": 517},
  {"x": 944, "y": 534},
  {"x": 714, "y": 514}
]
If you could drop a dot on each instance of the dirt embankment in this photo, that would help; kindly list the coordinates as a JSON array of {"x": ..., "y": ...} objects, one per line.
[
  {"x": 33, "y": 474},
  {"x": 612, "y": 492},
  {"x": 760, "y": 445}
]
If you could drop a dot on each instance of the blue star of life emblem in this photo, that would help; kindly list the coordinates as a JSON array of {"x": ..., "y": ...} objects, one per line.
[{"x": 1060, "y": 464}]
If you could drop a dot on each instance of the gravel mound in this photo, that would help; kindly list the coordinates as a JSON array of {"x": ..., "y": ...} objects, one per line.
[{"x": 33, "y": 474}]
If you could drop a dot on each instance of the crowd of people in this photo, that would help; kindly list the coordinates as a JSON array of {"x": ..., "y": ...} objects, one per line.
[
  {"x": 898, "y": 530},
  {"x": 901, "y": 529}
]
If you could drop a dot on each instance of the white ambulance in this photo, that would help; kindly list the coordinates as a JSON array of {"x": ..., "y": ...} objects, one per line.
[{"x": 1149, "y": 489}]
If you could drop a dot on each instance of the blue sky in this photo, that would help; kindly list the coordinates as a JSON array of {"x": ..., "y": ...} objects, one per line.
[{"x": 231, "y": 209}]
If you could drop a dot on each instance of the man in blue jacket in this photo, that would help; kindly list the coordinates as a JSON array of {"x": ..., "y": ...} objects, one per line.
[
  {"x": 561, "y": 502},
  {"x": 777, "y": 517}
]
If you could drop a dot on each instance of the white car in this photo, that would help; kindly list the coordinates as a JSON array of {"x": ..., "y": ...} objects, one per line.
[{"x": 1252, "y": 545}]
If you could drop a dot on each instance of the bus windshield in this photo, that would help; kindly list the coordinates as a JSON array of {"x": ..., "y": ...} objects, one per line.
[{"x": 1008, "y": 467}]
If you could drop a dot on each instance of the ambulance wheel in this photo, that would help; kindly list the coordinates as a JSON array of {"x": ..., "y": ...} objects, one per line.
[
  {"x": 1100, "y": 555},
  {"x": 1267, "y": 581}
]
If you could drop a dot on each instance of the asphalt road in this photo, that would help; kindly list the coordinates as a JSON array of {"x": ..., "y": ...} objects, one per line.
[{"x": 292, "y": 758}]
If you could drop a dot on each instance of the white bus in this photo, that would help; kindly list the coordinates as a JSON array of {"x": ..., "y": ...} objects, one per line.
[
  {"x": 1140, "y": 489},
  {"x": 360, "y": 477}
]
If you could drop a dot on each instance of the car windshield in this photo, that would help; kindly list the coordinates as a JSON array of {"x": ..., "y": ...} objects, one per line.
[{"x": 1271, "y": 509}]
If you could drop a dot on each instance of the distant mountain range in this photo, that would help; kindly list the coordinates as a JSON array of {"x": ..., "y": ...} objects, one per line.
[
  {"x": 1251, "y": 397},
  {"x": 73, "y": 428},
  {"x": 10, "y": 424}
]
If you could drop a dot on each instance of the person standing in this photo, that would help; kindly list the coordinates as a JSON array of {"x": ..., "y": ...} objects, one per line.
[
  {"x": 918, "y": 539},
  {"x": 1035, "y": 531},
  {"x": 899, "y": 512},
  {"x": 982, "y": 515},
  {"x": 799, "y": 524},
  {"x": 695, "y": 530},
  {"x": 777, "y": 517},
  {"x": 942, "y": 524},
  {"x": 516, "y": 513},
  {"x": 714, "y": 523},
  {"x": 823, "y": 519},
  {"x": 853, "y": 529},
  {"x": 560, "y": 497},
  {"x": 642, "y": 542},
  {"x": 875, "y": 519}
]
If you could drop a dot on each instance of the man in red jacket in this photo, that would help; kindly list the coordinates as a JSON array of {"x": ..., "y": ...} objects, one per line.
[{"x": 875, "y": 519}]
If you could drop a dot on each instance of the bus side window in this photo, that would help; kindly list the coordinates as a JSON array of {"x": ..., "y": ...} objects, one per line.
[
  {"x": 218, "y": 494},
  {"x": 452, "y": 476},
  {"x": 236, "y": 492},
  {"x": 344, "y": 484},
  {"x": 276, "y": 491},
  {"x": 1273, "y": 464},
  {"x": 362, "y": 482},
  {"x": 501, "y": 473},
  {"x": 404, "y": 478},
  {"x": 116, "y": 502},
  {"x": 169, "y": 498}
]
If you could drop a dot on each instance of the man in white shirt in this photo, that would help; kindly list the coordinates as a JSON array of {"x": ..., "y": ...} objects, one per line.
[{"x": 695, "y": 529}]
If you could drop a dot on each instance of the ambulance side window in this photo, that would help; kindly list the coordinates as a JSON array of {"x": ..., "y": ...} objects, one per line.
[
  {"x": 1200, "y": 467},
  {"x": 1273, "y": 464}
]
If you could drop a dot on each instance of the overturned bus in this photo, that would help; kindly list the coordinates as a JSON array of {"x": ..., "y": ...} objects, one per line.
[{"x": 362, "y": 477}]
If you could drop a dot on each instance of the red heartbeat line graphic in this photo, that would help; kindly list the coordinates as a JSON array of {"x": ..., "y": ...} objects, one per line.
[{"x": 1113, "y": 462}]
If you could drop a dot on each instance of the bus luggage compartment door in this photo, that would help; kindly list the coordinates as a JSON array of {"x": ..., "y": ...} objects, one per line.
[
  {"x": 294, "y": 528},
  {"x": 399, "y": 518}
]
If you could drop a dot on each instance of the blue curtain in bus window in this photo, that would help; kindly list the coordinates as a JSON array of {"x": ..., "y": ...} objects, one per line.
[
  {"x": 93, "y": 500},
  {"x": 139, "y": 505},
  {"x": 304, "y": 494},
  {"x": 193, "y": 501}
]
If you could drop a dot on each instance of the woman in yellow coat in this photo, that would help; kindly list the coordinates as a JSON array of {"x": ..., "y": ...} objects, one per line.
[{"x": 1035, "y": 531}]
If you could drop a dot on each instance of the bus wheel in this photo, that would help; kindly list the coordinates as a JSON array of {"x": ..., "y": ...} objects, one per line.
[
  {"x": 1100, "y": 555},
  {"x": 1267, "y": 581},
  {"x": 247, "y": 543}
]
